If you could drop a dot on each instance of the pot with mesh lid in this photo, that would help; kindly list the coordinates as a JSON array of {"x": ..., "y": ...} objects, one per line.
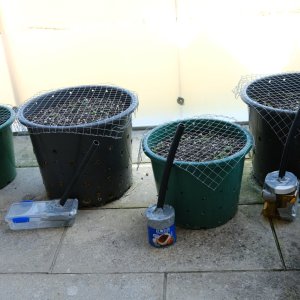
[
  {"x": 62, "y": 125},
  {"x": 273, "y": 102},
  {"x": 205, "y": 180}
]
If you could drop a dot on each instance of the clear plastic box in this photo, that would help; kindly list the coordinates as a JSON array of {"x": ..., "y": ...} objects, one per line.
[{"x": 30, "y": 214}]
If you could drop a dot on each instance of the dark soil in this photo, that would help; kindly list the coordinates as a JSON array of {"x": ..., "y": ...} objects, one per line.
[
  {"x": 201, "y": 147},
  {"x": 76, "y": 111},
  {"x": 280, "y": 91},
  {"x": 287, "y": 101}
]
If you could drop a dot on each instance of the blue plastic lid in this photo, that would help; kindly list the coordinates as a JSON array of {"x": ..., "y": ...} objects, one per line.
[{"x": 20, "y": 220}]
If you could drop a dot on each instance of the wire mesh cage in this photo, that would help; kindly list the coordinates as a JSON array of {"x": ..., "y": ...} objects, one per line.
[
  {"x": 63, "y": 124},
  {"x": 6, "y": 115},
  {"x": 275, "y": 97},
  {"x": 7, "y": 158},
  {"x": 273, "y": 101},
  {"x": 90, "y": 110},
  {"x": 209, "y": 148}
]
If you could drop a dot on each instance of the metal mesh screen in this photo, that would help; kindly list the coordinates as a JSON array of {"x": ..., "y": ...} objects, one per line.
[
  {"x": 93, "y": 110},
  {"x": 275, "y": 97},
  {"x": 5, "y": 115},
  {"x": 209, "y": 148}
]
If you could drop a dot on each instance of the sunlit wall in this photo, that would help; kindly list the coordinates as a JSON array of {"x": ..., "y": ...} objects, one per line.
[{"x": 194, "y": 49}]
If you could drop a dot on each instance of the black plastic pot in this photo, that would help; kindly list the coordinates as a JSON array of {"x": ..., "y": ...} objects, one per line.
[
  {"x": 270, "y": 125},
  {"x": 59, "y": 150}
]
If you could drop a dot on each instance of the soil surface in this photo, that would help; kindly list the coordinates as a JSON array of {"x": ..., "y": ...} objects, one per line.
[
  {"x": 201, "y": 147},
  {"x": 280, "y": 92},
  {"x": 76, "y": 111},
  {"x": 287, "y": 101}
]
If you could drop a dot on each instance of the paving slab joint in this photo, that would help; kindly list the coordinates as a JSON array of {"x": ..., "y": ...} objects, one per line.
[
  {"x": 277, "y": 244},
  {"x": 165, "y": 286},
  {"x": 57, "y": 250}
]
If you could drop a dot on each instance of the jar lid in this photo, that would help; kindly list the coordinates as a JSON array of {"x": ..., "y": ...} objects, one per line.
[
  {"x": 160, "y": 218},
  {"x": 281, "y": 186}
]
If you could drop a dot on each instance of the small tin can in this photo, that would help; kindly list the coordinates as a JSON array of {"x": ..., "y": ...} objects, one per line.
[
  {"x": 280, "y": 196},
  {"x": 161, "y": 226}
]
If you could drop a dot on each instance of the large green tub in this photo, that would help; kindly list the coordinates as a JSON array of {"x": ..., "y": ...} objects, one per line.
[
  {"x": 7, "y": 157},
  {"x": 196, "y": 204}
]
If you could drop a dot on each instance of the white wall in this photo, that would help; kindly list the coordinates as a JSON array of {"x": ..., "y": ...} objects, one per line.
[
  {"x": 223, "y": 40},
  {"x": 6, "y": 91},
  {"x": 161, "y": 49}
]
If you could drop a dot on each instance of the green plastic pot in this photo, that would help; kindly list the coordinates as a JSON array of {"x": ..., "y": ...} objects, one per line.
[
  {"x": 197, "y": 205},
  {"x": 7, "y": 157}
]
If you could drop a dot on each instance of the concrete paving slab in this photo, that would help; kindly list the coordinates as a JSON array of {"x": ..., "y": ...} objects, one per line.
[
  {"x": 100, "y": 286},
  {"x": 250, "y": 191},
  {"x": 24, "y": 152},
  {"x": 288, "y": 234},
  {"x": 115, "y": 240},
  {"x": 2, "y": 214},
  {"x": 142, "y": 192},
  {"x": 27, "y": 250},
  {"x": 137, "y": 136},
  {"x": 28, "y": 184},
  {"x": 234, "y": 285}
]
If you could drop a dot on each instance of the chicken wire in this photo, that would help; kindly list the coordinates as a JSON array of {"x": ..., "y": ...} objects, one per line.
[
  {"x": 275, "y": 97},
  {"x": 5, "y": 115},
  {"x": 91, "y": 110},
  {"x": 209, "y": 149}
]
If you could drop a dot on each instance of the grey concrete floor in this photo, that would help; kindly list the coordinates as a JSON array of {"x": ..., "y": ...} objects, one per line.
[{"x": 105, "y": 255}]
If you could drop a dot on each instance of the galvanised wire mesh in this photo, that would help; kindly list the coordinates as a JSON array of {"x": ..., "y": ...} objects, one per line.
[
  {"x": 91, "y": 110},
  {"x": 275, "y": 97},
  {"x": 5, "y": 115},
  {"x": 209, "y": 149}
]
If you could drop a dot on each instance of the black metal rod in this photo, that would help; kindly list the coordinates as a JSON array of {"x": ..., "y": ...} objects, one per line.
[
  {"x": 168, "y": 166},
  {"x": 292, "y": 132},
  {"x": 79, "y": 170}
]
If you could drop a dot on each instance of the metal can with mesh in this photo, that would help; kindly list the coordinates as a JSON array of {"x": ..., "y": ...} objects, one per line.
[
  {"x": 280, "y": 196},
  {"x": 161, "y": 226}
]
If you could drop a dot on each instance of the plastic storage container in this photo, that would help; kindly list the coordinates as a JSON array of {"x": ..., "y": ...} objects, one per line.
[{"x": 41, "y": 214}]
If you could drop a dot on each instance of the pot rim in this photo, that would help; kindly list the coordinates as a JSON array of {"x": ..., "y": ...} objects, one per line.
[
  {"x": 11, "y": 119},
  {"x": 127, "y": 112},
  {"x": 247, "y": 147},
  {"x": 257, "y": 105}
]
